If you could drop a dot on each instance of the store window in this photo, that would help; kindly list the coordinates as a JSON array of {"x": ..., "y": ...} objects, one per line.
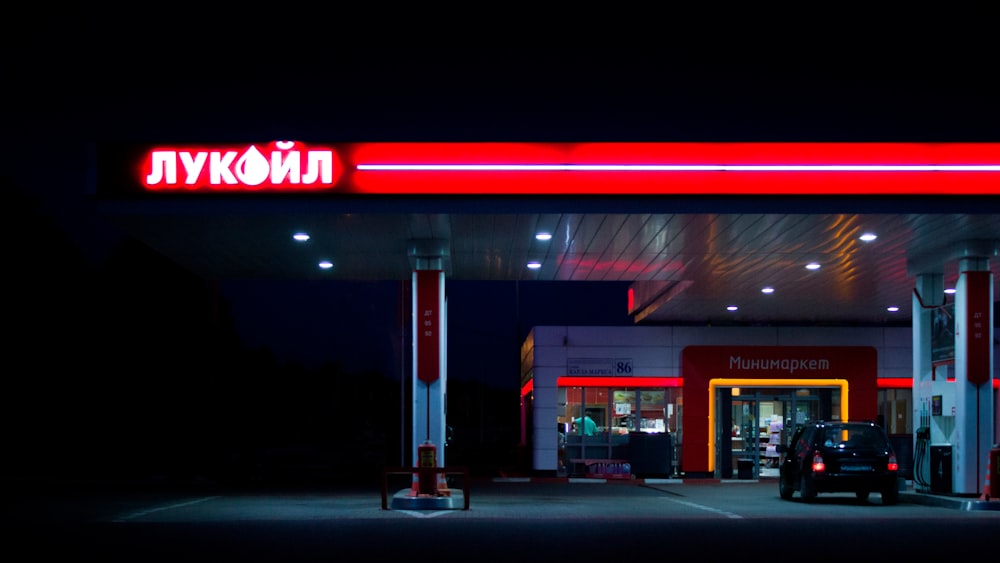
[
  {"x": 617, "y": 414},
  {"x": 894, "y": 408}
]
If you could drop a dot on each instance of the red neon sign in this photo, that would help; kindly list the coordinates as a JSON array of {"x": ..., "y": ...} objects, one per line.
[{"x": 277, "y": 166}]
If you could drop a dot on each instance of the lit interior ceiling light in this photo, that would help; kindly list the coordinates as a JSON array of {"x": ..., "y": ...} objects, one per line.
[
  {"x": 812, "y": 266},
  {"x": 950, "y": 290},
  {"x": 534, "y": 265},
  {"x": 732, "y": 308},
  {"x": 868, "y": 237},
  {"x": 892, "y": 309},
  {"x": 543, "y": 236},
  {"x": 767, "y": 290},
  {"x": 325, "y": 264},
  {"x": 301, "y": 237}
]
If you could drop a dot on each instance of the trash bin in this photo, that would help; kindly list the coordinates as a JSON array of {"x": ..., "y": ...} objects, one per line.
[
  {"x": 651, "y": 454},
  {"x": 744, "y": 468}
]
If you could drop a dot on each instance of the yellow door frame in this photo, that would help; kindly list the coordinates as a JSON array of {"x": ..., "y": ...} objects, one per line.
[{"x": 740, "y": 382}]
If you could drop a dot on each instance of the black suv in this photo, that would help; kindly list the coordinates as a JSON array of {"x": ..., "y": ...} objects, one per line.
[{"x": 838, "y": 457}]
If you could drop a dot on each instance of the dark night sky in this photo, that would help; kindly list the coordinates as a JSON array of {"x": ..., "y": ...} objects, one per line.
[
  {"x": 82, "y": 76},
  {"x": 73, "y": 76},
  {"x": 487, "y": 321}
]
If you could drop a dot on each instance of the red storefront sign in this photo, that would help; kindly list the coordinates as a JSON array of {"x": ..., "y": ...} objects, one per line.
[{"x": 277, "y": 166}]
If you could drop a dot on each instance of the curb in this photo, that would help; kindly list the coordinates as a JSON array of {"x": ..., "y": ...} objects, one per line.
[{"x": 911, "y": 496}]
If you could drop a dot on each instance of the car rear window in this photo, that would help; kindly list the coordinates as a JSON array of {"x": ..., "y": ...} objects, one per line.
[{"x": 852, "y": 437}]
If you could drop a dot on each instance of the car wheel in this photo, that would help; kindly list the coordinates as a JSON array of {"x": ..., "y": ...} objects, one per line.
[
  {"x": 890, "y": 495},
  {"x": 862, "y": 496},
  {"x": 785, "y": 488},
  {"x": 807, "y": 489}
]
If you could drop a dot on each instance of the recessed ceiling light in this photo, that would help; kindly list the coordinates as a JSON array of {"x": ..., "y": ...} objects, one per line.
[
  {"x": 812, "y": 266},
  {"x": 868, "y": 237},
  {"x": 767, "y": 290},
  {"x": 892, "y": 309},
  {"x": 732, "y": 308},
  {"x": 543, "y": 236},
  {"x": 534, "y": 265},
  {"x": 950, "y": 290},
  {"x": 325, "y": 264},
  {"x": 301, "y": 237}
]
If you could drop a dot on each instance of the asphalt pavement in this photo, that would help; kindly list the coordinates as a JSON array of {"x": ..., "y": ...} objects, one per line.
[{"x": 507, "y": 519}]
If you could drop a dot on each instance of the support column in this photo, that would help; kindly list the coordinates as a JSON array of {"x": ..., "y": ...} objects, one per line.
[
  {"x": 429, "y": 358},
  {"x": 928, "y": 294},
  {"x": 973, "y": 407},
  {"x": 928, "y": 306},
  {"x": 429, "y": 490}
]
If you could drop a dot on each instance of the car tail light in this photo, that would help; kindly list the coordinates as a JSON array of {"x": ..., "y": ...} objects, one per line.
[
  {"x": 893, "y": 465},
  {"x": 817, "y": 464}
]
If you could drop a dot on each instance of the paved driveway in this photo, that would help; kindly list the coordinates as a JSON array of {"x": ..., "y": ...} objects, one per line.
[{"x": 514, "y": 521}]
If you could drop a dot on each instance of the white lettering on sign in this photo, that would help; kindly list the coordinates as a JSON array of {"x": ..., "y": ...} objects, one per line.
[
  {"x": 192, "y": 165},
  {"x": 778, "y": 364},
  {"x": 599, "y": 366},
  {"x": 247, "y": 169},
  {"x": 589, "y": 366}
]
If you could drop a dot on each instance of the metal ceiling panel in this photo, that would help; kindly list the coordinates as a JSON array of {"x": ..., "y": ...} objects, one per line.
[{"x": 697, "y": 263}]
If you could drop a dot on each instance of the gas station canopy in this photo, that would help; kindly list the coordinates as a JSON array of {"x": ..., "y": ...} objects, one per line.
[{"x": 695, "y": 228}]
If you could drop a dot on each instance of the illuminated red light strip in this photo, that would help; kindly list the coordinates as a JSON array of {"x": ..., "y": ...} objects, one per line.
[
  {"x": 578, "y": 169},
  {"x": 682, "y": 167},
  {"x": 895, "y": 383},
  {"x": 527, "y": 388},
  {"x": 577, "y": 381},
  {"x": 656, "y": 169}
]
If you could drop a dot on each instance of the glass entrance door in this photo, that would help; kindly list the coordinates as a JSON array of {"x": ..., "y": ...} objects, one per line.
[
  {"x": 800, "y": 408},
  {"x": 746, "y": 437},
  {"x": 737, "y": 441},
  {"x": 752, "y": 421}
]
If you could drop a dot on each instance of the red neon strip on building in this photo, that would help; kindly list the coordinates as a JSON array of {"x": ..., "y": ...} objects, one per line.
[
  {"x": 570, "y": 381},
  {"x": 573, "y": 381},
  {"x": 894, "y": 383}
]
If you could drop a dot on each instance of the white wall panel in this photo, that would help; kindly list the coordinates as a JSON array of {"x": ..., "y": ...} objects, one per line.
[
  {"x": 545, "y": 394},
  {"x": 550, "y": 356},
  {"x": 899, "y": 336},
  {"x": 896, "y": 358},
  {"x": 550, "y": 335},
  {"x": 724, "y": 336},
  {"x": 619, "y": 335},
  {"x": 830, "y": 336}
]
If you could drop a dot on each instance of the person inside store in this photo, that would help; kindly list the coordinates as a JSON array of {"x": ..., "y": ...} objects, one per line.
[{"x": 586, "y": 425}]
